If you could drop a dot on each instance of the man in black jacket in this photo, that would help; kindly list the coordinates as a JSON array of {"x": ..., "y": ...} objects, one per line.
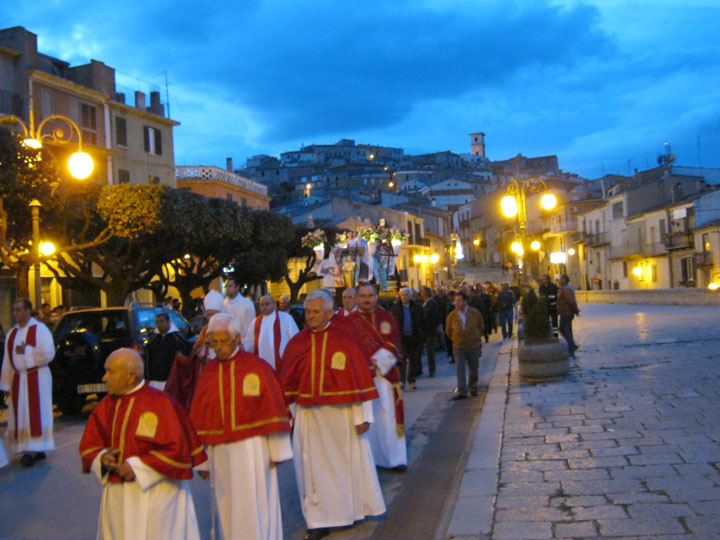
[
  {"x": 549, "y": 291},
  {"x": 411, "y": 325},
  {"x": 161, "y": 349},
  {"x": 434, "y": 321}
]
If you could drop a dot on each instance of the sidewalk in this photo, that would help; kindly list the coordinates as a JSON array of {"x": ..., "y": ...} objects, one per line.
[{"x": 625, "y": 447}]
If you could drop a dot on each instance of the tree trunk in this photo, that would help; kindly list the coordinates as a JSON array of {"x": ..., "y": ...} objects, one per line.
[{"x": 116, "y": 292}]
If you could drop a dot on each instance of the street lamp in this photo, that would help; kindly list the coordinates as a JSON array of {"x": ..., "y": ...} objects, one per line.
[
  {"x": 514, "y": 204},
  {"x": 80, "y": 165}
]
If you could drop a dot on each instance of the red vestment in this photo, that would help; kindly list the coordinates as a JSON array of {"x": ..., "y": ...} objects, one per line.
[
  {"x": 325, "y": 368},
  {"x": 146, "y": 423},
  {"x": 375, "y": 330},
  {"x": 185, "y": 371},
  {"x": 238, "y": 398}
]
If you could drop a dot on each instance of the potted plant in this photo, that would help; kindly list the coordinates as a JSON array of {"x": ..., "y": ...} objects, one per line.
[{"x": 541, "y": 357}]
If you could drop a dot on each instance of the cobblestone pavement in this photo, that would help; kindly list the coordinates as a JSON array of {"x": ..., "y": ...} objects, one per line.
[{"x": 627, "y": 446}]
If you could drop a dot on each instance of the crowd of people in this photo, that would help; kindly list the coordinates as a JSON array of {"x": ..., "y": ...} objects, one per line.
[{"x": 255, "y": 390}]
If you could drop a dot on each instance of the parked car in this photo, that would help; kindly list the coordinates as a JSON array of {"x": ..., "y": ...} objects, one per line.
[
  {"x": 85, "y": 337},
  {"x": 298, "y": 314}
]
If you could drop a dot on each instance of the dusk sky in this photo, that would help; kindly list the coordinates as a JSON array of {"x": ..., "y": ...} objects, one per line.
[{"x": 603, "y": 84}]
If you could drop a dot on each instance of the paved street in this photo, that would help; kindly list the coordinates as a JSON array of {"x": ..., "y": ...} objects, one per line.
[{"x": 626, "y": 447}]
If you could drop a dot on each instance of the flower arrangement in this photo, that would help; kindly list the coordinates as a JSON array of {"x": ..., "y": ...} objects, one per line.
[
  {"x": 371, "y": 234},
  {"x": 314, "y": 239}
]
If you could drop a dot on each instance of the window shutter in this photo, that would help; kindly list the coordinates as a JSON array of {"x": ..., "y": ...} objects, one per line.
[
  {"x": 146, "y": 137},
  {"x": 158, "y": 142}
]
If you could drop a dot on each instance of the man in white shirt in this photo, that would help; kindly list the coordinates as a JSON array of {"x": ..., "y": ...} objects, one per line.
[
  {"x": 29, "y": 348},
  {"x": 241, "y": 308},
  {"x": 268, "y": 334}
]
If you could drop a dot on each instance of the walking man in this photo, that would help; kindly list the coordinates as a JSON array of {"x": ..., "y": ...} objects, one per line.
[
  {"x": 505, "y": 302},
  {"x": 549, "y": 291},
  {"x": 326, "y": 374},
  {"x": 242, "y": 309},
  {"x": 433, "y": 314},
  {"x": 411, "y": 324},
  {"x": 377, "y": 333},
  {"x": 164, "y": 344},
  {"x": 25, "y": 374},
  {"x": 269, "y": 333},
  {"x": 240, "y": 415},
  {"x": 465, "y": 328},
  {"x": 142, "y": 447},
  {"x": 567, "y": 309}
]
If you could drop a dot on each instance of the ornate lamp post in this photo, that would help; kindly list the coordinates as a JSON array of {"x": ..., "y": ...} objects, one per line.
[
  {"x": 80, "y": 165},
  {"x": 515, "y": 204}
]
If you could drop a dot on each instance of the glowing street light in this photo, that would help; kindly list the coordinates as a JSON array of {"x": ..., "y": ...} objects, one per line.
[
  {"x": 535, "y": 245},
  {"x": 637, "y": 271},
  {"x": 47, "y": 248},
  {"x": 571, "y": 251},
  {"x": 509, "y": 206},
  {"x": 516, "y": 247},
  {"x": 434, "y": 258}
]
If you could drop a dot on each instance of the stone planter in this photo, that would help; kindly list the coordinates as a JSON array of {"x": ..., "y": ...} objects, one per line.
[{"x": 543, "y": 361}]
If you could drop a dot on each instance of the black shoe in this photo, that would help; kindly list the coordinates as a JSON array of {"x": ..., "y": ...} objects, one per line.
[
  {"x": 473, "y": 393},
  {"x": 27, "y": 460},
  {"x": 40, "y": 455},
  {"x": 457, "y": 397},
  {"x": 399, "y": 469},
  {"x": 316, "y": 534}
]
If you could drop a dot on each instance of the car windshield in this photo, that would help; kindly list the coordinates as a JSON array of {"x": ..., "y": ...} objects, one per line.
[{"x": 106, "y": 324}]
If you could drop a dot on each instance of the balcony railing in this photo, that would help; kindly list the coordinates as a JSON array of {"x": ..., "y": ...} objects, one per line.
[
  {"x": 597, "y": 239},
  {"x": 679, "y": 240},
  {"x": 704, "y": 258},
  {"x": 638, "y": 248}
]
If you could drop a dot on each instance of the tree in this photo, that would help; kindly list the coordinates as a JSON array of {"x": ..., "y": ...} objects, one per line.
[
  {"x": 68, "y": 212},
  {"x": 306, "y": 257},
  {"x": 265, "y": 258},
  {"x": 203, "y": 236}
]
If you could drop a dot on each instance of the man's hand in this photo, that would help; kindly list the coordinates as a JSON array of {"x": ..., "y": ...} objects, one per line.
[
  {"x": 109, "y": 459},
  {"x": 362, "y": 428},
  {"x": 205, "y": 475},
  {"x": 125, "y": 471}
]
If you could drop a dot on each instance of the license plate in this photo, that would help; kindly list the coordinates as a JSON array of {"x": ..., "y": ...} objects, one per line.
[{"x": 91, "y": 388}]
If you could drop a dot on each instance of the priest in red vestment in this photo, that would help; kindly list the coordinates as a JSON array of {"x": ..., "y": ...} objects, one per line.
[
  {"x": 325, "y": 373},
  {"x": 349, "y": 304},
  {"x": 241, "y": 416},
  {"x": 376, "y": 330},
  {"x": 186, "y": 370},
  {"x": 142, "y": 447}
]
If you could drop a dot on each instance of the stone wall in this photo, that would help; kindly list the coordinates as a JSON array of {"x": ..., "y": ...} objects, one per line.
[{"x": 668, "y": 297}]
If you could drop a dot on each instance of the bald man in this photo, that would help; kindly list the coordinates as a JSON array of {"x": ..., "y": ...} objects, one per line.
[
  {"x": 349, "y": 304},
  {"x": 268, "y": 333},
  {"x": 142, "y": 447}
]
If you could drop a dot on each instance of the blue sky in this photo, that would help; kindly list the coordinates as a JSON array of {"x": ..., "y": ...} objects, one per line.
[{"x": 602, "y": 84}]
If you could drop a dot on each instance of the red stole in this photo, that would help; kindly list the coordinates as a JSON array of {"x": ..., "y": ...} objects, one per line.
[
  {"x": 33, "y": 386},
  {"x": 365, "y": 329},
  {"x": 325, "y": 368},
  {"x": 276, "y": 335},
  {"x": 148, "y": 424},
  {"x": 236, "y": 399}
]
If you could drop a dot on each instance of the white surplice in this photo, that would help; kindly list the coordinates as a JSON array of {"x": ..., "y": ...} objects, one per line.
[
  {"x": 19, "y": 436},
  {"x": 152, "y": 507},
  {"x": 247, "y": 496},
  {"x": 266, "y": 338},
  {"x": 242, "y": 309},
  {"x": 334, "y": 467},
  {"x": 388, "y": 449}
]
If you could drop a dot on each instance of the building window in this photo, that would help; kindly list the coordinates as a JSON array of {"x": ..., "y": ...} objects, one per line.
[
  {"x": 624, "y": 268},
  {"x": 653, "y": 272},
  {"x": 121, "y": 131},
  {"x": 153, "y": 179},
  {"x": 153, "y": 140},
  {"x": 88, "y": 123},
  {"x": 706, "y": 242},
  {"x": 663, "y": 230},
  {"x": 123, "y": 176},
  {"x": 229, "y": 196},
  {"x": 617, "y": 210},
  {"x": 243, "y": 202}
]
